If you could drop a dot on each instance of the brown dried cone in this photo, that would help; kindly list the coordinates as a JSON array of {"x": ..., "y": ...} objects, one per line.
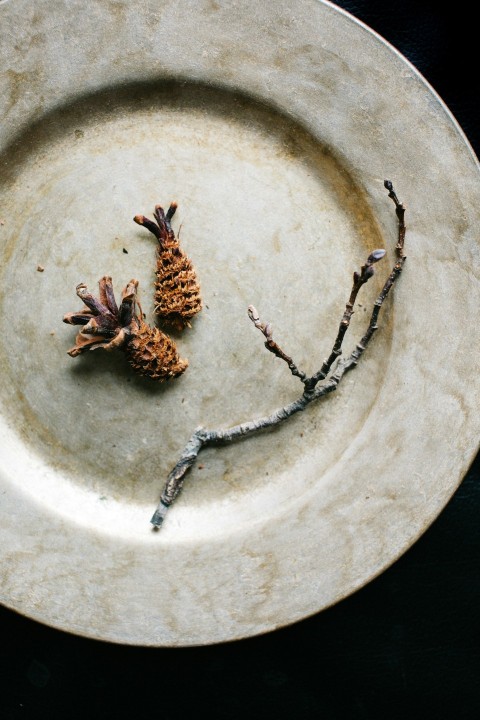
[
  {"x": 107, "y": 326},
  {"x": 177, "y": 292}
]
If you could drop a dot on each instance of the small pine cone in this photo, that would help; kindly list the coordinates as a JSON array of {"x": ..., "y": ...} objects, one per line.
[
  {"x": 152, "y": 353},
  {"x": 177, "y": 292}
]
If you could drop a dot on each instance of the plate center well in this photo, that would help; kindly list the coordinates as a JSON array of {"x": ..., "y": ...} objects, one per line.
[{"x": 268, "y": 216}]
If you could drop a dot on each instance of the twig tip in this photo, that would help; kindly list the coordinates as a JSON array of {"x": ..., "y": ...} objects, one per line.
[{"x": 159, "y": 516}]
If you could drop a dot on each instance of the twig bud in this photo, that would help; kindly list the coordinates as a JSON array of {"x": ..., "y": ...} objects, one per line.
[
  {"x": 253, "y": 314},
  {"x": 400, "y": 209},
  {"x": 375, "y": 256}
]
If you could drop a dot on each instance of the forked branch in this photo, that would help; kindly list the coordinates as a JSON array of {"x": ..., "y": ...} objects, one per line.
[{"x": 203, "y": 437}]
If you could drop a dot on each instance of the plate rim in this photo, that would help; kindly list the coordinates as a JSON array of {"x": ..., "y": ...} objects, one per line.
[{"x": 441, "y": 500}]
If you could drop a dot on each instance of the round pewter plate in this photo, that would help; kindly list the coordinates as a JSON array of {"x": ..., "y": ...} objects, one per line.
[{"x": 273, "y": 127}]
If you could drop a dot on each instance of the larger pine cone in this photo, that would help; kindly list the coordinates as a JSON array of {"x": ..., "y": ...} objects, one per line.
[{"x": 149, "y": 351}]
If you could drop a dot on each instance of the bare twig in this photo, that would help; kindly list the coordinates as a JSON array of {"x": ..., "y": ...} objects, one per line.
[
  {"x": 359, "y": 279},
  {"x": 203, "y": 437},
  {"x": 271, "y": 345},
  {"x": 396, "y": 270}
]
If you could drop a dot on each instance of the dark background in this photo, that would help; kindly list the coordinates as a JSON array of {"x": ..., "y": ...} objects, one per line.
[{"x": 405, "y": 646}]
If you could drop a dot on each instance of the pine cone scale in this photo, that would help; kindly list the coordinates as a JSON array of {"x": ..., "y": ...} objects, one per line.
[{"x": 152, "y": 353}]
